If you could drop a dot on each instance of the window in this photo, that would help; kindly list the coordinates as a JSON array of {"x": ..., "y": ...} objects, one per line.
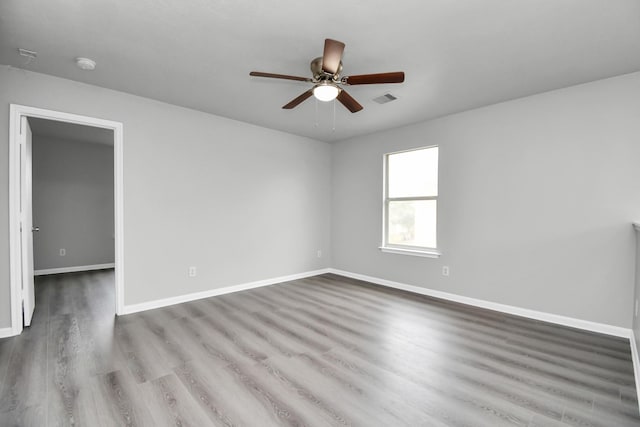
[{"x": 411, "y": 200}]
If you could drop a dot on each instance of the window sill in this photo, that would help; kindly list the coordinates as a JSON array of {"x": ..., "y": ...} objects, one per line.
[{"x": 426, "y": 253}]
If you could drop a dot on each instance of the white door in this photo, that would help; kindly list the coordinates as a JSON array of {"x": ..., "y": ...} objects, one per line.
[{"x": 28, "y": 293}]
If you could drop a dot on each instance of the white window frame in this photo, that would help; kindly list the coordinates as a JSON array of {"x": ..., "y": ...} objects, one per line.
[{"x": 405, "y": 249}]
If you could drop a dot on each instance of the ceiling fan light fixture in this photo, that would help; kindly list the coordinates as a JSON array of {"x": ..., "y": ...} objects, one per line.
[
  {"x": 326, "y": 71},
  {"x": 326, "y": 92}
]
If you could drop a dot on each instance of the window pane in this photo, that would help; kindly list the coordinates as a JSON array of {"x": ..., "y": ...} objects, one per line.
[
  {"x": 413, "y": 173},
  {"x": 412, "y": 223}
]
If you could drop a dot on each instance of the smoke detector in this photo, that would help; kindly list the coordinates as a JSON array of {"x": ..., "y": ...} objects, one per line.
[{"x": 86, "y": 64}]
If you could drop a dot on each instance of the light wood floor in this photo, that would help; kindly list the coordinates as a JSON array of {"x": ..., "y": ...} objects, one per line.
[{"x": 320, "y": 351}]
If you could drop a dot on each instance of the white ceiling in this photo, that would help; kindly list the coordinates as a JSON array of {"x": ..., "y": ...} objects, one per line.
[
  {"x": 457, "y": 54},
  {"x": 70, "y": 131}
]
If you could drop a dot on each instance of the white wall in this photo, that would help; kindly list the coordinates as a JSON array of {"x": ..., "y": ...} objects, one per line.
[
  {"x": 636, "y": 293},
  {"x": 537, "y": 195},
  {"x": 72, "y": 203},
  {"x": 536, "y": 200},
  {"x": 240, "y": 202}
]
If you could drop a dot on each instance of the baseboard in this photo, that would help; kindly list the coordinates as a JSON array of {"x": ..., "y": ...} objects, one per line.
[
  {"x": 73, "y": 269},
  {"x": 587, "y": 325},
  {"x": 6, "y": 332},
  {"x": 150, "y": 305},
  {"x": 636, "y": 362}
]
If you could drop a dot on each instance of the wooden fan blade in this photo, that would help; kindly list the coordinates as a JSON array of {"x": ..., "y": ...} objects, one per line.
[
  {"x": 298, "y": 100},
  {"x": 279, "y": 76},
  {"x": 348, "y": 101},
  {"x": 332, "y": 56},
  {"x": 368, "y": 79}
]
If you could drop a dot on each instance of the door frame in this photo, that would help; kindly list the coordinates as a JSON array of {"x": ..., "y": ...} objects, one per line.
[{"x": 16, "y": 112}]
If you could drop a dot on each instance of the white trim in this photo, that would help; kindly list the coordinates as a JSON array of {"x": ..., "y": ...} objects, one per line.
[
  {"x": 518, "y": 311},
  {"x": 77, "y": 268},
  {"x": 6, "y": 332},
  {"x": 427, "y": 253},
  {"x": 15, "y": 114},
  {"x": 150, "y": 305},
  {"x": 118, "y": 181},
  {"x": 15, "y": 267},
  {"x": 636, "y": 362}
]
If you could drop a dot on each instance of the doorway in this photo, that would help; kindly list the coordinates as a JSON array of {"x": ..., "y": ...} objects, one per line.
[{"x": 21, "y": 226}]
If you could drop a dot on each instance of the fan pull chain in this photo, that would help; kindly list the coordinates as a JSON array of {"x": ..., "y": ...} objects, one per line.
[
  {"x": 334, "y": 116},
  {"x": 316, "y": 125}
]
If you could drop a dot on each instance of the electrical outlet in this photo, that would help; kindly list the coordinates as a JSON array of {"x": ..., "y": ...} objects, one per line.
[
  {"x": 193, "y": 272},
  {"x": 636, "y": 310},
  {"x": 445, "y": 270},
  {"x": 319, "y": 253},
  {"x": 63, "y": 252}
]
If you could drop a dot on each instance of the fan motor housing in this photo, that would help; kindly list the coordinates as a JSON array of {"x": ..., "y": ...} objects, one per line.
[{"x": 319, "y": 74}]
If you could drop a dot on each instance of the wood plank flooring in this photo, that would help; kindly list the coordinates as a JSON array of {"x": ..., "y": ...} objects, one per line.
[{"x": 323, "y": 351}]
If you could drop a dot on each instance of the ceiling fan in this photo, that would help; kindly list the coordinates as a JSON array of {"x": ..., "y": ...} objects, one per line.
[{"x": 327, "y": 80}]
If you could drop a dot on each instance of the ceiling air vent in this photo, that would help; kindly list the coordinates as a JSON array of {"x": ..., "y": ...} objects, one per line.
[{"x": 387, "y": 97}]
